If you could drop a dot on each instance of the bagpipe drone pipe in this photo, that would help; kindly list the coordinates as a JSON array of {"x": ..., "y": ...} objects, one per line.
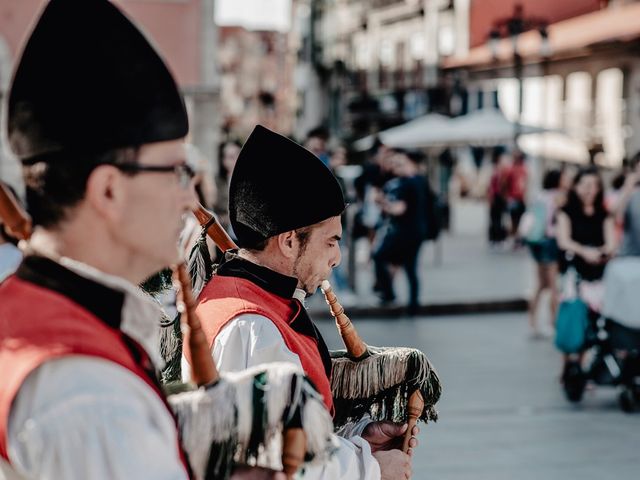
[{"x": 387, "y": 383}]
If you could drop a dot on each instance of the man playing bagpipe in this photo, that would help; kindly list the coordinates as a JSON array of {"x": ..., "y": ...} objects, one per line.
[
  {"x": 285, "y": 208},
  {"x": 98, "y": 123}
]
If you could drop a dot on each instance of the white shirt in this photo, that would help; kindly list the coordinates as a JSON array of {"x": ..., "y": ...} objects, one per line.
[
  {"x": 84, "y": 418},
  {"x": 252, "y": 339},
  {"x": 88, "y": 418}
]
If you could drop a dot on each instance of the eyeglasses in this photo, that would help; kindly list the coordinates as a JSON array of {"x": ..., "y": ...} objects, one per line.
[{"x": 183, "y": 171}]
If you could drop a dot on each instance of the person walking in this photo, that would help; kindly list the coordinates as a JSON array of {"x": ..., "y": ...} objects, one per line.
[
  {"x": 497, "y": 195},
  {"x": 516, "y": 192},
  {"x": 628, "y": 211},
  {"x": 404, "y": 228},
  {"x": 540, "y": 236}
]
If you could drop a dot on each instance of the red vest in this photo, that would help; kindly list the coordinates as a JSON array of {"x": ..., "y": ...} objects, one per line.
[
  {"x": 225, "y": 297},
  {"x": 38, "y": 324}
]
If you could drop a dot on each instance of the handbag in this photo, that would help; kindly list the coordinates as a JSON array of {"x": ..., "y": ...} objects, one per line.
[
  {"x": 572, "y": 322},
  {"x": 533, "y": 225}
]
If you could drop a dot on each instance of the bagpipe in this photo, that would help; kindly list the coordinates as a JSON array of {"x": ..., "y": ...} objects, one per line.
[
  {"x": 269, "y": 416},
  {"x": 387, "y": 383}
]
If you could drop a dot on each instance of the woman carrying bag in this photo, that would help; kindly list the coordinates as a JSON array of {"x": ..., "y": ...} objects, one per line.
[{"x": 585, "y": 235}]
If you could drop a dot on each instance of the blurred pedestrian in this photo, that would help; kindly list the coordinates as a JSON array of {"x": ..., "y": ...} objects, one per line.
[
  {"x": 538, "y": 231},
  {"x": 339, "y": 277},
  {"x": 498, "y": 198},
  {"x": 368, "y": 187},
  {"x": 586, "y": 239},
  {"x": 516, "y": 191},
  {"x": 585, "y": 230},
  {"x": 316, "y": 143},
  {"x": 403, "y": 229},
  {"x": 628, "y": 211}
]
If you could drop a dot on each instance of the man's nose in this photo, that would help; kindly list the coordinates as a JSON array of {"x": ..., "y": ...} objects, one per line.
[{"x": 337, "y": 259}]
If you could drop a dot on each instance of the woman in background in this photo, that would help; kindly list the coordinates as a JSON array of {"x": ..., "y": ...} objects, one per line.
[{"x": 545, "y": 251}]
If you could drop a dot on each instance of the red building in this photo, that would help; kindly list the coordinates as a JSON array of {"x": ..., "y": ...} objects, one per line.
[{"x": 484, "y": 13}]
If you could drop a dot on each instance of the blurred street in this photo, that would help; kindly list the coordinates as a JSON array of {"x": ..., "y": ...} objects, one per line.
[
  {"x": 503, "y": 415},
  {"x": 459, "y": 273}
]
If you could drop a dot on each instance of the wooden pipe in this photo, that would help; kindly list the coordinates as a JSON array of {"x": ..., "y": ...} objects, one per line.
[
  {"x": 415, "y": 407},
  {"x": 357, "y": 349},
  {"x": 15, "y": 218},
  {"x": 203, "y": 368},
  {"x": 352, "y": 341},
  {"x": 293, "y": 451},
  {"x": 215, "y": 231}
]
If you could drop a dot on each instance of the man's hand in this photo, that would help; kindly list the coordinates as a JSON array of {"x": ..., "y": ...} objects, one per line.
[
  {"x": 388, "y": 435},
  {"x": 256, "y": 473},
  {"x": 394, "y": 465}
]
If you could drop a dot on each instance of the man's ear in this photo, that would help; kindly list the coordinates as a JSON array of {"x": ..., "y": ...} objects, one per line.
[
  {"x": 105, "y": 192},
  {"x": 288, "y": 244}
]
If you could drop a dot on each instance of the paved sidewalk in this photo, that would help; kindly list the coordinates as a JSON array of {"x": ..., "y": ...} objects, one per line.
[{"x": 459, "y": 273}]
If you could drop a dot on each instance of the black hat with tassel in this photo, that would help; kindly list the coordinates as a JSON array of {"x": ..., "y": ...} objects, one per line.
[
  {"x": 278, "y": 186},
  {"x": 88, "y": 80}
]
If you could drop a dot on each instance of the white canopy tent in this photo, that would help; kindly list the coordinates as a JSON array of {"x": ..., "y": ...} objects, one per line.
[
  {"x": 486, "y": 128},
  {"x": 480, "y": 128},
  {"x": 426, "y": 127}
]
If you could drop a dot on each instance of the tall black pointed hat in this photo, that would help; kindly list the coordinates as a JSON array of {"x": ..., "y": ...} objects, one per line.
[
  {"x": 88, "y": 79},
  {"x": 278, "y": 186}
]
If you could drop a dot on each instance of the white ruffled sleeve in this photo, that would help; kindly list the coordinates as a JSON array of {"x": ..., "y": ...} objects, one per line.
[{"x": 81, "y": 418}]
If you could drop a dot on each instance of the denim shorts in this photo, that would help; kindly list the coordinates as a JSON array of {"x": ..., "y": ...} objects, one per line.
[{"x": 545, "y": 251}]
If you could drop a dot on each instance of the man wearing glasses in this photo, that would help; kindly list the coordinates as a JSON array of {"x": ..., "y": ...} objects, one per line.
[{"x": 98, "y": 124}]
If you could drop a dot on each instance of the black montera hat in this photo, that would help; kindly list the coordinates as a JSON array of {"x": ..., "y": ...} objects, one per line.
[
  {"x": 278, "y": 186},
  {"x": 88, "y": 79}
]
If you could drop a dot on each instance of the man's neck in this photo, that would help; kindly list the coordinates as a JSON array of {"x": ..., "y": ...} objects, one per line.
[{"x": 85, "y": 248}]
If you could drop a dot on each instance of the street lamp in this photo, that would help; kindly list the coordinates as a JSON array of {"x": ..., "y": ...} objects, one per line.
[{"x": 512, "y": 27}]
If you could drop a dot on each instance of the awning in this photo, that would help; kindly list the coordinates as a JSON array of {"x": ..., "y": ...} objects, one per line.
[
  {"x": 423, "y": 128},
  {"x": 616, "y": 23},
  {"x": 486, "y": 127}
]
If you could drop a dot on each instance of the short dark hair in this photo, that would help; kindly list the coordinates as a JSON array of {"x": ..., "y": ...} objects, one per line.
[
  {"x": 56, "y": 182},
  {"x": 551, "y": 179},
  {"x": 318, "y": 132},
  {"x": 302, "y": 234}
]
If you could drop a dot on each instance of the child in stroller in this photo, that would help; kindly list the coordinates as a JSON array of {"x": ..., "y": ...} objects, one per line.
[{"x": 613, "y": 338}]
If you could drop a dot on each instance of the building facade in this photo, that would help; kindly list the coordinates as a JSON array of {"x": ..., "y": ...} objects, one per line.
[
  {"x": 379, "y": 59},
  {"x": 579, "y": 78},
  {"x": 185, "y": 35}
]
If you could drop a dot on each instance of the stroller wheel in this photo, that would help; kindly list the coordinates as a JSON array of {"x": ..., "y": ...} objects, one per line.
[
  {"x": 574, "y": 381},
  {"x": 628, "y": 401}
]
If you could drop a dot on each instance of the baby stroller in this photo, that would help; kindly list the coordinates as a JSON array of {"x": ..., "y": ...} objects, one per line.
[{"x": 612, "y": 338}]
